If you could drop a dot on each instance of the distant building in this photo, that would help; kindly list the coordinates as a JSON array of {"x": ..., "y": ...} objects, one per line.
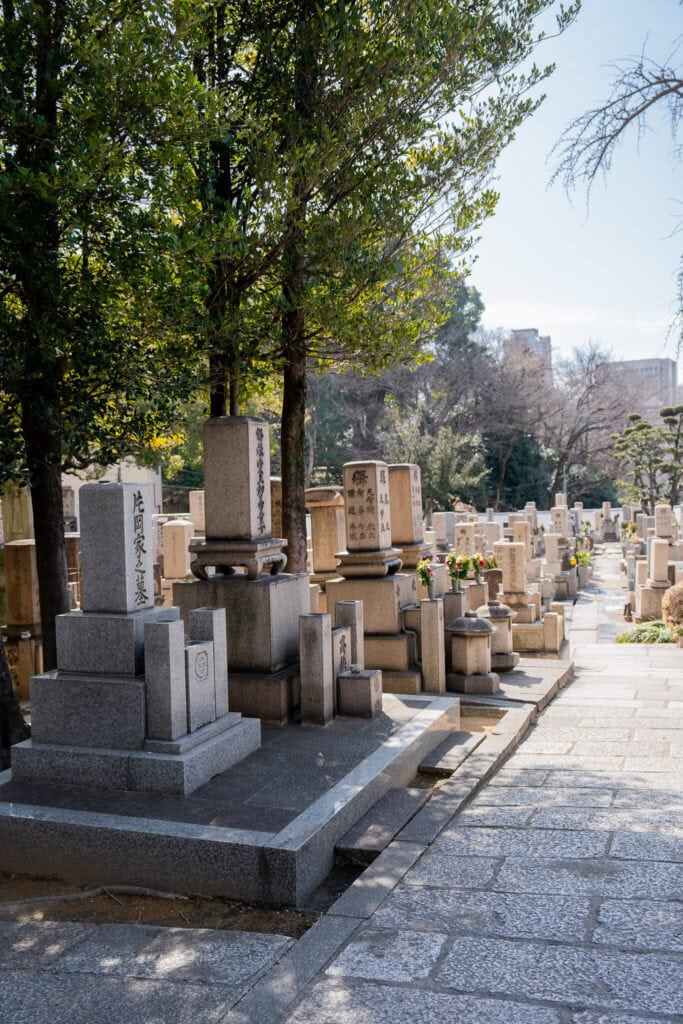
[
  {"x": 652, "y": 383},
  {"x": 527, "y": 343}
]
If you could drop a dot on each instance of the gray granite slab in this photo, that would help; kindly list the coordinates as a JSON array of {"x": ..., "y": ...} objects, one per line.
[
  {"x": 558, "y": 918},
  {"x": 562, "y": 974},
  {"x": 332, "y": 1002},
  {"x": 514, "y": 816},
  {"x": 196, "y": 955},
  {"x": 632, "y": 780},
  {"x": 646, "y": 846},
  {"x": 641, "y": 924},
  {"x": 618, "y": 1018},
  {"x": 38, "y": 944},
  {"x": 367, "y": 893},
  {"x": 388, "y": 956},
  {"x": 531, "y": 844},
  {"x": 541, "y": 796},
  {"x": 635, "y": 819},
  {"x": 511, "y": 775},
  {"x": 448, "y": 870},
  {"x": 608, "y": 878}
]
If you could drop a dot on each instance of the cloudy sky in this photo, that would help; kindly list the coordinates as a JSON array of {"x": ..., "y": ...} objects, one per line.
[{"x": 605, "y": 273}]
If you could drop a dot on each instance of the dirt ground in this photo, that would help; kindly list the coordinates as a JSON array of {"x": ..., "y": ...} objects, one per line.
[{"x": 21, "y": 900}]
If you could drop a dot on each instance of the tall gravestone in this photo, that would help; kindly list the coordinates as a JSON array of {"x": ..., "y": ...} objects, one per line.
[
  {"x": 238, "y": 566},
  {"x": 132, "y": 704},
  {"x": 369, "y": 572},
  {"x": 407, "y": 531}
]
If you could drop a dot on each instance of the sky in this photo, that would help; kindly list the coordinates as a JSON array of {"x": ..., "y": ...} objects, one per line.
[{"x": 606, "y": 273}]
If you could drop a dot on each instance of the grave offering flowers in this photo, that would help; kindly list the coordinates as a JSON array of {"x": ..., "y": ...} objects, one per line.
[
  {"x": 458, "y": 566},
  {"x": 491, "y": 562},
  {"x": 425, "y": 573},
  {"x": 572, "y": 562},
  {"x": 583, "y": 557},
  {"x": 478, "y": 564}
]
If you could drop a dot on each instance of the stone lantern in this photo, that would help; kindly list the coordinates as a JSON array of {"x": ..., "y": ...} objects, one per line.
[
  {"x": 471, "y": 656},
  {"x": 503, "y": 658}
]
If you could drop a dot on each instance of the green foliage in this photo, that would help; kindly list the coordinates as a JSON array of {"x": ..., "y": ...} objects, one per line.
[
  {"x": 655, "y": 632},
  {"x": 653, "y": 457},
  {"x": 672, "y": 607}
]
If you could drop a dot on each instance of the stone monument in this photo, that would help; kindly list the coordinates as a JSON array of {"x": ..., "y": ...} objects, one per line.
[
  {"x": 262, "y": 603},
  {"x": 132, "y": 704},
  {"x": 407, "y": 531}
]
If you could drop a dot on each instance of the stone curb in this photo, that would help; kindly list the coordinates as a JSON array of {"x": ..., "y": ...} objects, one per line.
[{"x": 276, "y": 992}]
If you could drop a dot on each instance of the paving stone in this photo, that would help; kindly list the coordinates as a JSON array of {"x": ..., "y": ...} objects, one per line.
[
  {"x": 663, "y": 798},
  {"x": 611, "y": 1018},
  {"x": 546, "y": 744},
  {"x": 635, "y": 819},
  {"x": 364, "y": 1003},
  {"x": 644, "y": 924},
  {"x": 632, "y": 748},
  {"x": 519, "y": 843},
  {"x": 494, "y": 816},
  {"x": 511, "y": 775},
  {"x": 629, "y": 780},
  {"x": 38, "y": 944},
  {"x": 609, "y": 878},
  {"x": 451, "y": 753},
  {"x": 649, "y": 764},
  {"x": 554, "y": 762},
  {"x": 176, "y": 954},
  {"x": 541, "y": 796},
  {"x": 485, "y": 913},
  {"x": 447, "y": 869},
  {"x": 562, "y": 974},
  {"x": 388, "y": 956},
  {"x": 40, "y": 997},
  {"x": 645, "y": 846}
]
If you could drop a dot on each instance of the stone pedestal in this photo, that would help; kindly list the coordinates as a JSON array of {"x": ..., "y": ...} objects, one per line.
[
  {"x": 359, "y": 694},
  {"x": 326, "y": 508},
  {"x": 432, "y": 650}
]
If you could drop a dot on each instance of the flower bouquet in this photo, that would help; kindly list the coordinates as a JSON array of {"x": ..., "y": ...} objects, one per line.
[
  {"x": 426, "y": 575},
  {"x": 458, "y": 569}
]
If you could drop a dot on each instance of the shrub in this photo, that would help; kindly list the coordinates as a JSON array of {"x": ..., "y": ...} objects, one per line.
[
  {"x": 672, "y": 606},
  {"x": 655, "y": 632}
]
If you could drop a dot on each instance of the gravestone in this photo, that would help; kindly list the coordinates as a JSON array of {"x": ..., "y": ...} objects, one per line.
[
  {"x": 465, "y": 543},
  {"x": 262, "y": 603},
  {"x": 407, "y": 531},
  {"x": 326, "y": 508},
  {"x": 131, "y": 705},
  {"x": 17, "y": 513},
  {"x": 665, "y": 524}
]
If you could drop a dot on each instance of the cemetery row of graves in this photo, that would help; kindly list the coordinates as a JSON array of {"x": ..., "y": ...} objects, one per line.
[{"x": 188, "y": 635}]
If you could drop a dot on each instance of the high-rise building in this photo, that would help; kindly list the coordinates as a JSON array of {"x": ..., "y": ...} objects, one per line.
[
  {"x": 527, "y": 343},
  {"x": 651, "y": 384}
]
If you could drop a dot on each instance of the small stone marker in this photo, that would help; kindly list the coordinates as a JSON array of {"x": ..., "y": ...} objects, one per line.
[
  {"x": 165, "y": 690},
  {"x": 350, "y": 613},
  {"x": 209, "y": 624},
  {"x": 197, "y": 512},
  {"x": 201, "y": 685},
  {"x": 177, "y": 534},
  {"x": 315, "y": 660},
  {"x": 432, "y": 650},
  {"x": 405, "y": 492},
  {"x": 359, "y": 694}
]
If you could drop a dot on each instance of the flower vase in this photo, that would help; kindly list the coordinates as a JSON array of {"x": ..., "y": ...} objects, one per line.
[
  {"x": 431, "y": 591},
  {"x": 455, "y": 586},
  {"x": 478, "y": 578}
]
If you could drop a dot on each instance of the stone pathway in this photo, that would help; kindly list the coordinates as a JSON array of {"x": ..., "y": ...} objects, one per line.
[{"x": 552, "y": 898}]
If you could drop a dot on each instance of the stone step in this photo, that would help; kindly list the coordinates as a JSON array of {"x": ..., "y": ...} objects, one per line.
[
  {"x": 451, "y": 753},
  {"x": 376, "y": 829}
]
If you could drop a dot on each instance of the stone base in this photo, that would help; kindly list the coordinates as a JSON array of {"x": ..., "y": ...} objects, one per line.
[
  {"x": 96, "y": 711},
  {"x": 105, "y": 643},
  {"x": 359, "y": 694},
  {"x": 274, "y": 698},
  {"x": 390, "y": 652},
  {"x": 649, "y": 603},
  {"x": 504, "y": 662},
  {"x": 488, "y": 683},
  {"x": 544, "y": 636},
  {"x": 383, "y": 599},
  {"x": 409, "y": 681},
  {"x": 262, "y": 616},
  {"x": 174, "y": 774},
  {"x": 385, "y": 562},
  {"x": 223, "y": 555},
  {"x": 411, "y": 554}
]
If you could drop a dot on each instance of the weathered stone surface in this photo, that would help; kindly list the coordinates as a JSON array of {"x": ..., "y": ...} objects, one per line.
[
  {"x": 95, "y": 711},
  {"x": 237, "y": 479},
  {"x": 385, "y": 819},
  {"x": 209, "y": 624},
  {"x": 116, "y": 547},
  {"x": 315, "y": 659},
  {"x": 383, "y": 599},
  {"x": 405, "y": 494},
  {"x": 640, "y": 924},
  {"x": 587, "y": 877},
  {"x": 366, "y": 497},
  {"x": 561, "y": 974},
  {"x": 451, "y": 870},
  {"x": 200, "y": 685},
  {"x": 104, "y": 643},
  {"x": 388, "y": 956},
  {"x": 165, "y": 689},
  {"x": 21, "y": 584},
  {"x": 528, "y": 844},
  {"x": 557, "y": 918},
  {"x": 359, "y": 694}
]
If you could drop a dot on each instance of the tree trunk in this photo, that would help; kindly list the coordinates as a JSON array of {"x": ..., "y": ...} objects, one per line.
[
  {"x": 293, "y": 437},
  {"x": 43, "y": 456},
  {"x": 13, "y": 728}
]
